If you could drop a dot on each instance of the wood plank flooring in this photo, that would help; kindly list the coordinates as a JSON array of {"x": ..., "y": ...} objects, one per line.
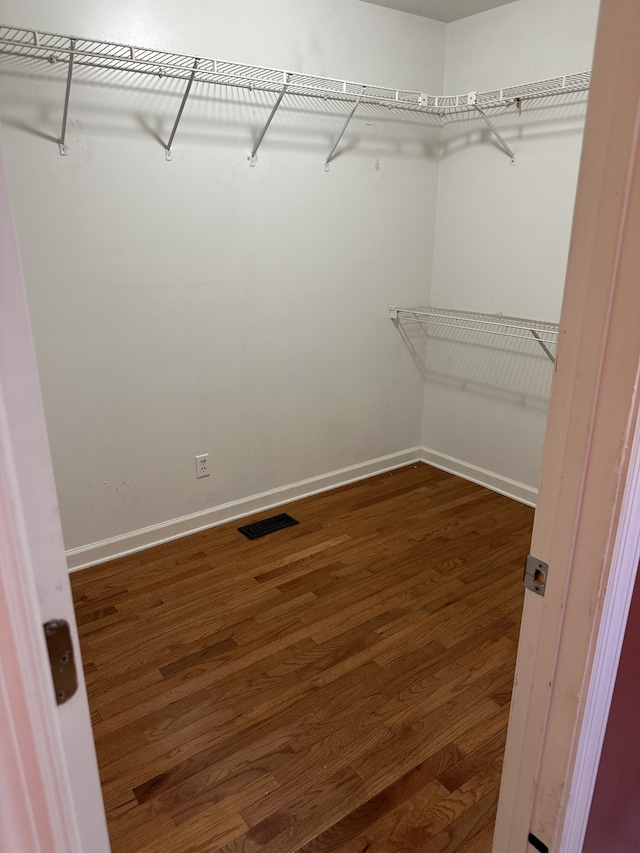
[{"x": 340, "y": 686}]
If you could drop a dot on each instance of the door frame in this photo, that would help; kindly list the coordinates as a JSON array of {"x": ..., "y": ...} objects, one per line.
[
  {"x": 586, "y": 525},
  {"x": 54, "y": 802},
  {"x": 37, "y": 806}
]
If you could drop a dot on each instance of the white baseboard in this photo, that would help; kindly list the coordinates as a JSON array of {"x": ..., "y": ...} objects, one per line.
[
  {"x": 175, "y": 528},
  {"x": 489, "y": 479},
  {"x": 156, "y": 534}
]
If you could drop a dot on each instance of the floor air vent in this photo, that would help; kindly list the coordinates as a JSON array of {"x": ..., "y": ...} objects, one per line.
[{"x": 267, "y": 525}]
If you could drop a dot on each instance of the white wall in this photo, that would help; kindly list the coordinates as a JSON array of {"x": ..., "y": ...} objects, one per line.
[
  {"x": 202, "y": 305},
  {"x": 502, "y": 231}
]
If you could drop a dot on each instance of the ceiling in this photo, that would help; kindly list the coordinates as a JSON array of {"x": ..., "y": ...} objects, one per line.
[{"x": 441, "y": 10}]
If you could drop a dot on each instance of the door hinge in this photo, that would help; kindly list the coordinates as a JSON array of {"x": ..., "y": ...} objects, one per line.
[
  {"x": 61, "y": 658},
  {"x": 535, "y": 574}
]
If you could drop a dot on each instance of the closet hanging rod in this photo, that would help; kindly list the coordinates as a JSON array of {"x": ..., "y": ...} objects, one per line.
[
  {"x": 115, "y": 56},
  {"x": 542, "y": 332}
]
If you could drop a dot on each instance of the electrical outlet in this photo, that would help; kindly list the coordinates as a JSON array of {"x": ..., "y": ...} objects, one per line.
[{"x": 202, "y": 465}]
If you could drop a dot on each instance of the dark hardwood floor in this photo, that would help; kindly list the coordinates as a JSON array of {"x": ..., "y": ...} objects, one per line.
[{"x": 342, "y": 685}]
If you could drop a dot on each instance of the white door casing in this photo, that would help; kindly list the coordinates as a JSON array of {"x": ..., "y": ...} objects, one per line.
[
  {"x": 585, "y": 527},
  {"x": 50, "y": 798}
]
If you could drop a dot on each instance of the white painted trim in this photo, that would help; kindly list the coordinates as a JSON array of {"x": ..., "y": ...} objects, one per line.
[
  {"x": 489, "y": 479},
  {"x": 175, "y": 528},
  {"x": 586, "y": 473},
  {"x": 38, "y": 804},
  {"x": 617, "y": 601},
  {"x": 50, "y": 797}
]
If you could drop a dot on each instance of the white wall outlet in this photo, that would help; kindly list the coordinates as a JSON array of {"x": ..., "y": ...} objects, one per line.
[{"x": 202, "y": 465}]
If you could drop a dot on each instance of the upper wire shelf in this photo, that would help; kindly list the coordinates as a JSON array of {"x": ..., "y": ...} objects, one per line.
[
  {"x": 543, "y": 332},
  {"x": 35, "y": 44},
  {"x": 113, "y": 56}
]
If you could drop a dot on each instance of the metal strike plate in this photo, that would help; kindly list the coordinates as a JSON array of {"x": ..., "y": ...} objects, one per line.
[
  {"x": 61, "y": 658},
  {"x": 535, "y": 574}
]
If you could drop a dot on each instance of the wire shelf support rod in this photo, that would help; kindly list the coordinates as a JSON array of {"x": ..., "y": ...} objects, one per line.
[
  {"x": 253, "y": 157},
  {"x": 543, "y": 345},
  {"x": 503, "y": 144},
  {"x": 341, "y": 134},
  {"x": 62, "y": 145},
  {"x": 167, "y": 150}
]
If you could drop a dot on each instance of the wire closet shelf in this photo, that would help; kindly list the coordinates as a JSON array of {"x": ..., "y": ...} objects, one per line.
[
  {"x": 27, "y": 44},
  {"x": 53, "y": 47},
  {"x": 542, "y": 332}
]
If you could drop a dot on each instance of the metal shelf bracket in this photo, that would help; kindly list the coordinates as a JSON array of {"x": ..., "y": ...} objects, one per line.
[
  {"x": 253, "y": 157},
  {"x": 167, "y": 150},
  {"x": 543, "y": 345},
  {"x": 341, "y": 134},
  {"x": 496, "y": 133},
  {"x": 62, "y": 145}
]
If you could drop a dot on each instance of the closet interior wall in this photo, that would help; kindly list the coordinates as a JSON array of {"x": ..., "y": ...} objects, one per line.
[
  {"x": 204, "y": 306},
  {"x": 502, "y": 237}
]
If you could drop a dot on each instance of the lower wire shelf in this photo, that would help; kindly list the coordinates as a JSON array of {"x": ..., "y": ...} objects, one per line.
[{"x": 544, "y": 333}]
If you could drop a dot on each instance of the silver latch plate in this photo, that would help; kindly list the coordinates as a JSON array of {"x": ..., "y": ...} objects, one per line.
[{"x": 535, "y": 574}]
